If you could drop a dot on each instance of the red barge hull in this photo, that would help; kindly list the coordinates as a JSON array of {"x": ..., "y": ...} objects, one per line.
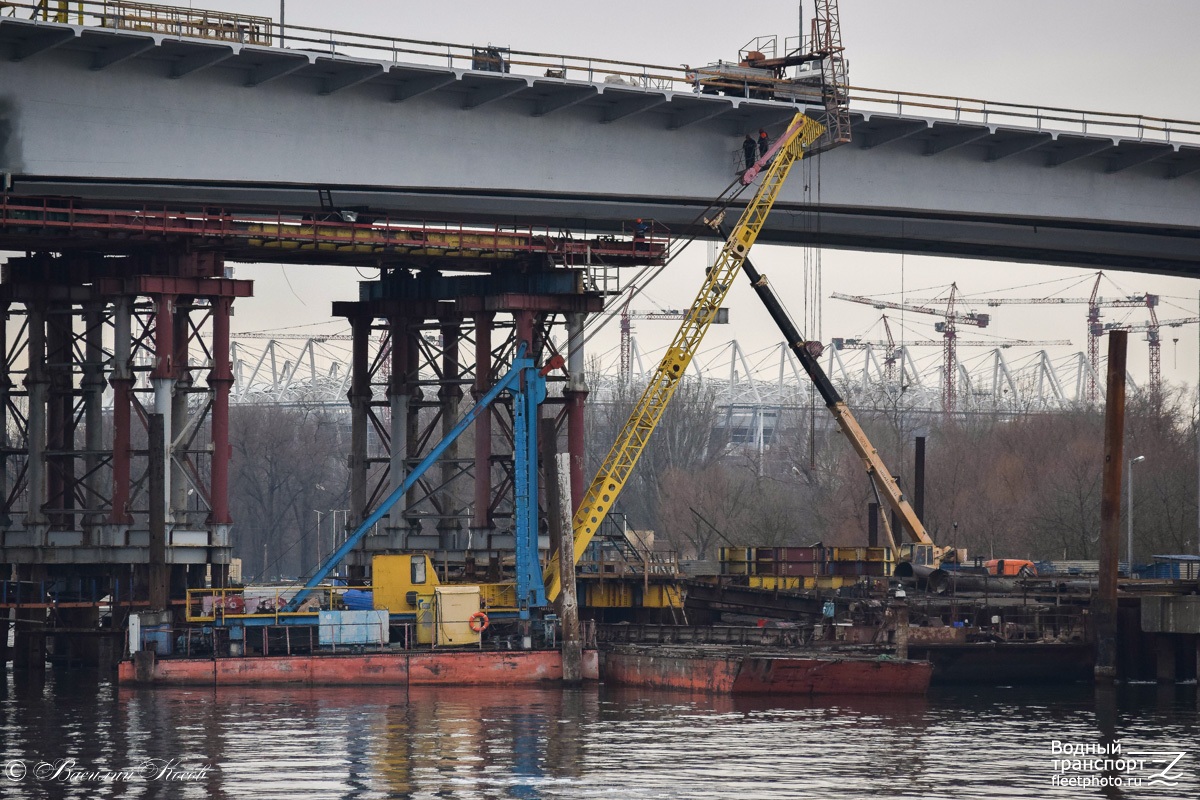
[
  {"x": 766, "y": 674},
  {"x": 417, "y": 668}
]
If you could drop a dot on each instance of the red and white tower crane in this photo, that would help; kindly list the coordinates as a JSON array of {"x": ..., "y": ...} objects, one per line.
[
  {"x": 627, "y": 316},
  {"x": 1094, "y": 328},
  {"x": 1153, "y": 328},
  {"x": 948, "y": 327}
]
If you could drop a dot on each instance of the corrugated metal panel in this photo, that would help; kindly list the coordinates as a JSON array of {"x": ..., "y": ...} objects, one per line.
[{"x": 352, "y": 627}]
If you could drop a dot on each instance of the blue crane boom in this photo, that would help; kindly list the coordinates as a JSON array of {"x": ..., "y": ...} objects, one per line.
[{"x": 528, "y": 386}]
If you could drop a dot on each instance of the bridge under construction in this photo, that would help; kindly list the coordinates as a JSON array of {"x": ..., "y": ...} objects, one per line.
[{"x": 209, "y": 144}]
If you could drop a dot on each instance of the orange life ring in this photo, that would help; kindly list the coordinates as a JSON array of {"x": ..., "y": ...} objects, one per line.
[{"x": 478, "y": 622}]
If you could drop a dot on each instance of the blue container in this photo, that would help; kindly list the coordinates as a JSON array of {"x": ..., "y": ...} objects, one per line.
[{"x": 157, "y": 638}]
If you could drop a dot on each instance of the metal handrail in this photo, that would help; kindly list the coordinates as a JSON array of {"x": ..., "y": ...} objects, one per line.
[{"x": 659, "y": 76}]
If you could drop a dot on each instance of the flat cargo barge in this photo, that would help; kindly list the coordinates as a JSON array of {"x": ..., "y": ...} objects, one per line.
[
  {"x": 727, "y": 672},
  {"x": 386, "y": 668},
  {"x": 759, "y": 672}
]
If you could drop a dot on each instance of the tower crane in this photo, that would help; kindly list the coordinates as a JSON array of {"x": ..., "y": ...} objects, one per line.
[
  {"x": 1152, "y": 329},
  {"x": 948, "y": 327},
  {"x": 1094, "y": 329},
  {"x": 627, "y": 316},
  {"x": 618, "y": 465}
]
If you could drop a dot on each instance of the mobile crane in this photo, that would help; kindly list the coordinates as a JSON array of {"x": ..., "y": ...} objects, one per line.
[
  {"x": 627, "y": 449},
  {"x": 921, "y": 552}
]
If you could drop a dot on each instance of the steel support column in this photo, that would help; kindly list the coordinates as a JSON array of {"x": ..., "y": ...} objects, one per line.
[
  {"x": 360, "y": 400},
  {"x": 6, "y": 387},
  {"x": 220, "y": 379},
  {"x": 481, "y": 517},
  {"x": 36, "y": 383},
  {"x": 399, "y": 391},
  {"x": 179, "y": 491},
  {"x": 60, "y": 417},
  {"x": 576, "y": 394},
  {"x": 450, "y": 396},
  {"x": 162, "y": 378},
  {"x": 121, "y": 380},
  {"x": 92, "y": 385}
]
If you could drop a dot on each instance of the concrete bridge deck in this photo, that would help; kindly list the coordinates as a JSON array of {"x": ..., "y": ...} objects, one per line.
[{"x": 109, "y": 114}]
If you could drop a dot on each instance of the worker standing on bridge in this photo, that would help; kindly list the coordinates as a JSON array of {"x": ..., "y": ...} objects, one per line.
[
  {"x": 748, "y": 151},
  {"x": 764, "y": 143}
]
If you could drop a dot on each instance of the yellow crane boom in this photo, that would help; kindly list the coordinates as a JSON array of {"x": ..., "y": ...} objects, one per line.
[{"x": 628, "y": 447}]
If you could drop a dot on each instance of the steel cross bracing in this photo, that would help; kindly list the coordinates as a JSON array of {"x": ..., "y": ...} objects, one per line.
[
  {"x": 614, "y": 472},
  {"x": 77, "y": 474}
]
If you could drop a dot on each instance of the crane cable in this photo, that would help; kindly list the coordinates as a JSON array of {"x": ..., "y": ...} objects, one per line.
[{"x": 637, "y": 285}]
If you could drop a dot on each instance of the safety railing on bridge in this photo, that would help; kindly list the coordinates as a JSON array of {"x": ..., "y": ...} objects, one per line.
[
  {"x": 189, "y": 23},
  {"x": 1040, "y": 118}
]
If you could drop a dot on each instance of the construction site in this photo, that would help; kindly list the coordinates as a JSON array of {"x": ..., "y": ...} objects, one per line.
[{"x": 440, "y": 480}]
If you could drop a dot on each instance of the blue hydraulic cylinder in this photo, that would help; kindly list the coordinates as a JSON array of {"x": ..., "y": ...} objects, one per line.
[{"x": 528, "y": 388}]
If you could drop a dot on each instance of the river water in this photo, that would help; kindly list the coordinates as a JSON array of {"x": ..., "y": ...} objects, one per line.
[{"x": 76, "y": 736}]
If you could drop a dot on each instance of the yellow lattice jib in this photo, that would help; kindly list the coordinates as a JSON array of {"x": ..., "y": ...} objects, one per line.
[{"x": 623, "y": 457}]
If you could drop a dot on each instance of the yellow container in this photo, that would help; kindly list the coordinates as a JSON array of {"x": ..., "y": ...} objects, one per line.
[
  {"x": 453, "y": 608},
  {"x": 662, "y": 595},
  {"x": 608, "y": 595},
  {"x": 788, "y": 584},
  {"x": 849, "y": 554},
  {"x": 828, "y": 582},
  {"x": 879, "y": 554}
]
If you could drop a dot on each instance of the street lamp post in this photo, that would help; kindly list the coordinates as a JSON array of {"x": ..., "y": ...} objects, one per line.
[{"x": 1129, "y": 486}]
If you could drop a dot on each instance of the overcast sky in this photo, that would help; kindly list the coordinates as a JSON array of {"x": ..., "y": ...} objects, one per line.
[{"x": 1098, "y": 55}]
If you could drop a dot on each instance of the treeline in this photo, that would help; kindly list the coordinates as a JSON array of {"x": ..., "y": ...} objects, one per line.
[{"x": 1016, "y": 484}]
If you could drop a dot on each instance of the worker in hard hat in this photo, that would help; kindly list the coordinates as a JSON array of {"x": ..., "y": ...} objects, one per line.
[
  {"x": 748, "y": 151},
  {"x": 640, "y": 230},
  {"x": 764, "y": 143}
]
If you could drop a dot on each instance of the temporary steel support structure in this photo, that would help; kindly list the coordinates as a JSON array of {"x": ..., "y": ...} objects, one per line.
[
  {"x": 526, "y": 386},
  {"x": 440, "y": 337},
  {"x": 75, "y": 476}
]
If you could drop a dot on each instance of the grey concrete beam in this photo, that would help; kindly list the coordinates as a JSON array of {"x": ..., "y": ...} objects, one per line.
[
  {"x": 1074, "y": 152},
  {"x": 120, "y": 51},
  {"x": 1015, "y": 145},
  {"x": 563, "y": 99},
  {"x": 415, "y": 87},
  {"x": 200, "y": 60},
  {"x": 40, "y": 42},
  {"x": 275, "y": 69},
  {"x": 947, "y": 139},
  {"x": 1127, "y": 158},
  {"x": 893, "y": 133},
  {"x": 1181, "y": 169},
  {"x": 480, "y": 96},
  {"x": 634, "y": 105},
  {"x": 690, "y": 116},
  {"x": 351, "y": 76}
]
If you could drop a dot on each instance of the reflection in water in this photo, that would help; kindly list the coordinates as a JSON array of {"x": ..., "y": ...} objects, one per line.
[{"x": 456, "y": 742}]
